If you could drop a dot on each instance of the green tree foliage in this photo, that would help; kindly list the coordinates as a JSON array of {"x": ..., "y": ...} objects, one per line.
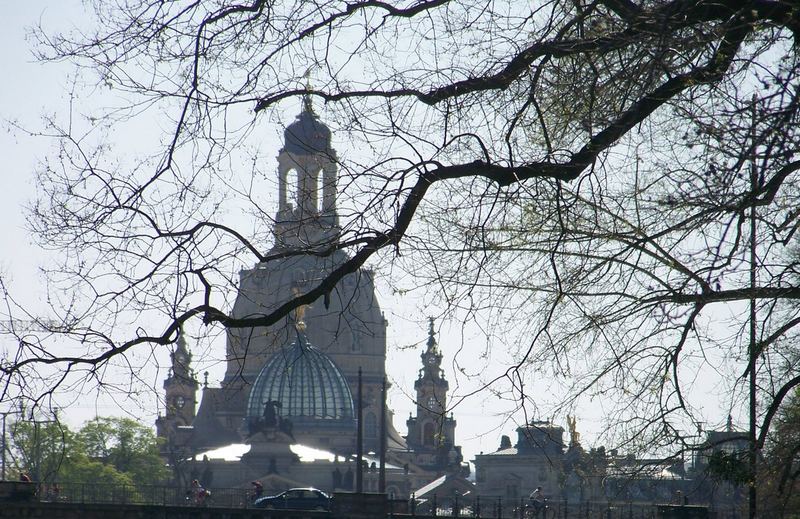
[
  {"x": 117, "y": 451},
  {"x": 125, "y": 444},
  {"x": 41, "y": 449},
  {"x": 730, "y": 467}
]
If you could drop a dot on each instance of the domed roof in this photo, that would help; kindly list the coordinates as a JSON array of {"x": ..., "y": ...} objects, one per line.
[
  {"x": 307, "y": 134},
  {"x": 305, "y": 383}
]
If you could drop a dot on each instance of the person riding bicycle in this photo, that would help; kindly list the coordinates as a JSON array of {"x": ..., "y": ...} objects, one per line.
[
  {"x": 258, "y": 490},
  {"x": 197, "y": 494},
  {"x": 537, "y": 501}
]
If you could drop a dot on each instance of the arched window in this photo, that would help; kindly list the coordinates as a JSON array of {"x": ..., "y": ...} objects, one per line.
[
  {"x": 292, "y": 188},
  {"x": 428, "y": 434},
  {"x": 370, "y": 426}
]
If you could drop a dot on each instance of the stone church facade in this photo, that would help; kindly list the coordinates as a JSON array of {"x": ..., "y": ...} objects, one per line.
[{"x": 343, "y": 333}]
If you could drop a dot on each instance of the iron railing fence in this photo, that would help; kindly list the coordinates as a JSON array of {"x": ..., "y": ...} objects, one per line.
[
  {"x": 144, "y": 495},
  {"x": 504, "y": 508},
  {"x": 489, "y": 507}
]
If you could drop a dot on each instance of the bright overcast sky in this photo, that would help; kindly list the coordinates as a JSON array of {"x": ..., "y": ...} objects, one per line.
[{"x": 30, "y": 90}]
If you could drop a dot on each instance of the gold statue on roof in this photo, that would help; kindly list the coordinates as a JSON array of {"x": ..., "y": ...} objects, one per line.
[{"x": 574, "y": 435}]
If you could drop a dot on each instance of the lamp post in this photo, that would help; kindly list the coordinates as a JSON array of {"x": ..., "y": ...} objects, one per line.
[
  {"x": 382, "y": 469},
  {"x": 360, "y": 439},
  {"x": 5, "y": 413},
  {"x": 752, "y": 350}
]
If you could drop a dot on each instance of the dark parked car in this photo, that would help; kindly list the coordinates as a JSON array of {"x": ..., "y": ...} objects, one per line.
[{"x": 296, "y": 499}]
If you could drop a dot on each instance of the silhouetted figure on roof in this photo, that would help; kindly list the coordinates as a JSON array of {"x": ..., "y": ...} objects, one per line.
[{"x": 270, "y": 415}]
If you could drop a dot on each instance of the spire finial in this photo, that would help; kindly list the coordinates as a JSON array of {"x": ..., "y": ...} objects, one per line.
[
  {"x": 181, "y": 340},
  {"x": 299, "y": 314},
  {"x": 307, "y": 106},
  {"x": 431, "y": 335}
]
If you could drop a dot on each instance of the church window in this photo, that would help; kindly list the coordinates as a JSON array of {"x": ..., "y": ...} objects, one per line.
[
  {"x": 428, "y": 434},
  {"x": 370, "y": 426}
]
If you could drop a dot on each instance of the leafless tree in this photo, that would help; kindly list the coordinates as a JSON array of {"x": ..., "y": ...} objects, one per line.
[{"x": 583, "y": 166}]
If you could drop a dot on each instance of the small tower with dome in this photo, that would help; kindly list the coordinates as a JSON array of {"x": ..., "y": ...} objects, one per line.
[
  {"x": 180, "y": 391},
  {"x": 431, "y": 433},
  {"x": 306, "y": 169}
]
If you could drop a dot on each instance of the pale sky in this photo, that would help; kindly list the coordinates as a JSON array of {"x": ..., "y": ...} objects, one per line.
[{"x": 30, "y": 90}]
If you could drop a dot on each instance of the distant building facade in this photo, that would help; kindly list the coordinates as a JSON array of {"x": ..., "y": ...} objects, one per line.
[
  {"x": 535, "y": 460},
  {"x": 570, "y": 474}
]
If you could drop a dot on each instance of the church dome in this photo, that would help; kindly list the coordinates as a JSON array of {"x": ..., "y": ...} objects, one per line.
[
  {"x": 302, "y": 384},
  {"x": 307, "y": 134}
]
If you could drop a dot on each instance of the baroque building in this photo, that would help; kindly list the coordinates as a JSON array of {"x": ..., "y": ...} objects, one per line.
[
  {"x": 535, "y": 460},
  {"x": 572, "y": 477},
  {"x": 297, "y": 381}
]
